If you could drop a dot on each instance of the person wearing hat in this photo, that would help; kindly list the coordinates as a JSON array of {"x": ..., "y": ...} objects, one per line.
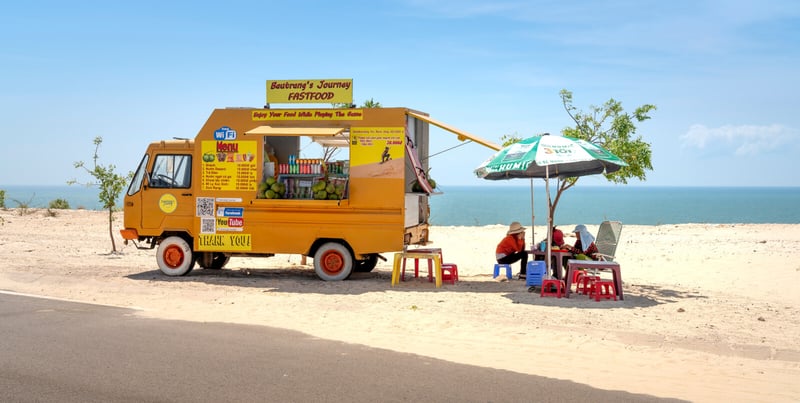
[
  {"x": 511, "y": 248},
  {"x": 580, "y": 251}
]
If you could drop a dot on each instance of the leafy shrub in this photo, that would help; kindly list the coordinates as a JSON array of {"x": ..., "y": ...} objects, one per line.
[
  {"x": 24, "y": 206},
  {"x": 59, "y": 204}
]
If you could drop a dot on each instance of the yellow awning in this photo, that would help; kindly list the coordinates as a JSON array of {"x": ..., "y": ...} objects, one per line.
[
  {"x": 324, "y": 136},
  {"x": 462, "y": 135},
  {"x": 296, "y": 131}
]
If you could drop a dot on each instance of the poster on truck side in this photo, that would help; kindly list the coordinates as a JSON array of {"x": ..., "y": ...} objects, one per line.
[
  {"x": 377, "y": 152},
  {"x": 229, "y": 165}
]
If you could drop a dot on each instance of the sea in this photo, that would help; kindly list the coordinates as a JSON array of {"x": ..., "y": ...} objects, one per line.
[{"x": 479, "y": 205}]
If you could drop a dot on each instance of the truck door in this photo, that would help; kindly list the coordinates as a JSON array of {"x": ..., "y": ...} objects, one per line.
[{"x": 167, "y": 200}]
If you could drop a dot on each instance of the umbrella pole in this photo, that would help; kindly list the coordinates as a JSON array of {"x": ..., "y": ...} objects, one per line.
[
  {"x": 549, "y": 220},
  {"x": 533, "y": 219}
]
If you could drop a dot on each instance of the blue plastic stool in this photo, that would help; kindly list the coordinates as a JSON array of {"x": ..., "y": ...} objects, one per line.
[
  {"x": 497, "y": 267},
  {"x": 535, "y": 273}
]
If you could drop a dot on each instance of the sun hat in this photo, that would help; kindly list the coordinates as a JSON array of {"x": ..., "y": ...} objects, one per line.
[
  {"x": 584, "y": 235},
  {"x": 515, "y": 228}
]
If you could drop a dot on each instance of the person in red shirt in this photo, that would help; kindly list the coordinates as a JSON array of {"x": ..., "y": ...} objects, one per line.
[
  {"x": 511, "y": 248},
  {"x": 558, "y": 237}
]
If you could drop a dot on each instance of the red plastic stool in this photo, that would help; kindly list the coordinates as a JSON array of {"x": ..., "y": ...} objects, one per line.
[
  {"x": 449, "y": 273},
  {"x": 558, "y": 284},
  {"x": 586, "y": 284},
  {"x": 604, "y": 289},
  {"x": 577, "y": 275}
]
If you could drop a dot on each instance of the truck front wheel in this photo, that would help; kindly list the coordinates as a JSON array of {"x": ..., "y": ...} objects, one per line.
[
  {"x": 333, "y": 262},
  {"x": 174, "y": 256}
]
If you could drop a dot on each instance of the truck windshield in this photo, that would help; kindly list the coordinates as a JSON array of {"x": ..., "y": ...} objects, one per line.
[
  {"x": 136, "y": 183},
  {"x": 171, "y": 171}
]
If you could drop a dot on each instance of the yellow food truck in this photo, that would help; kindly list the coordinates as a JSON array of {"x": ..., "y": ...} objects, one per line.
[{"x": 339, "y": 185}]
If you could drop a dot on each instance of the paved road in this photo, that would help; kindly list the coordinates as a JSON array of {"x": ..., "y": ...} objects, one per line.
[{"x": 71, "y": 352}]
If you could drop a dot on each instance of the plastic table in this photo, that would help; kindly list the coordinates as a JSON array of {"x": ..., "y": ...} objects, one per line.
[
  {"x": 575, "y": 264},
  {"x": 400, "y": 260}
]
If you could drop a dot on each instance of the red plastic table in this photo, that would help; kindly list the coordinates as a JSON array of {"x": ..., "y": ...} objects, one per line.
[{"x": 558, "y": 256}]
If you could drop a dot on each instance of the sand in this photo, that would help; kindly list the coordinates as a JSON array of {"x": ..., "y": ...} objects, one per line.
[{"x": 710, "y": 311}]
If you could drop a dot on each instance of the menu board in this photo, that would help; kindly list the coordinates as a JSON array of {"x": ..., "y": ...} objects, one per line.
[{"x": 229, "y": 165}]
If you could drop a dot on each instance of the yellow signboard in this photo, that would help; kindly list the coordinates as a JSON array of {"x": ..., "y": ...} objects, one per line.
[
  {"x": 229, "y": 165},
  {"x": 224, "y": 242},
  {"x": 327, "y": 91},
  {"x": 308, "y": 114}
]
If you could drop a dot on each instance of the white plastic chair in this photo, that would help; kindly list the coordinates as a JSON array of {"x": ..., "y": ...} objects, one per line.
[{"x": 607, "y": 239}]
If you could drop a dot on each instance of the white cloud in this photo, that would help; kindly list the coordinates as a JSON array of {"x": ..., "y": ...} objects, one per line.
[{"x": 745, "y": 140}]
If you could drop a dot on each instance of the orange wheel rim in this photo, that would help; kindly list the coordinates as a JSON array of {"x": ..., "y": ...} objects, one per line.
[
  {"x": 332, "y": 262},
  {"x": 173, "y": 256}
]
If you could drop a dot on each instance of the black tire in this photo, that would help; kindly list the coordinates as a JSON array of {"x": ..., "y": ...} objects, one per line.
[
  {"x": 174, "y": 256},
  {"x": 213, "y": 260},
  {"x": 366, "y": 265},
  {"x": 333, "y": 262}
]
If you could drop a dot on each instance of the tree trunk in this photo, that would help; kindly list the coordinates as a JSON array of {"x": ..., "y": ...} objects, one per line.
[
  {"x": 111, "y": 230},
  {"x": 562, "y": 186}
]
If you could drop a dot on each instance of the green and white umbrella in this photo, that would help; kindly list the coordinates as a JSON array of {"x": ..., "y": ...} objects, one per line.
[{"x": 548, "y": 157}]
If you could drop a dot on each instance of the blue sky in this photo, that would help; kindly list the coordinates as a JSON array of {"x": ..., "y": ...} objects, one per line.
[{"x": 724, "y": 75}]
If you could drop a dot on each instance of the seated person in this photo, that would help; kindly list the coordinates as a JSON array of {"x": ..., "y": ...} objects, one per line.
[
  {"x": 557, "y": 244},
  {"x": 512, "y": 248},
  {"x": 558, "y": 240},
  {"x": 580, "y": 251}
]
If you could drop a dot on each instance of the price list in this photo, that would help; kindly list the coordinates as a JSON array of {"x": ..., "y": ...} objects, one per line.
[{"x": 234, "y": 171}]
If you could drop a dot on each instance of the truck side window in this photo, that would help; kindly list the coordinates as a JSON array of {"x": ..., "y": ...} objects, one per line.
[
  {"x": 136, "y": 183},
  {"x": 172, "y": 171}
]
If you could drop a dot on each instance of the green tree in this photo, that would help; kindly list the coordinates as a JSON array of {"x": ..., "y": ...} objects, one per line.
[
  {"x": 610, "y": 127},
  {"x": 109, "y": 182},
  {"x": 371, "y": 103}
]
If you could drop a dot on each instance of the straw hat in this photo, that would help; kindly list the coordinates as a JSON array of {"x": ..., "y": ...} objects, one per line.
[{"x": 515, "y": 228}]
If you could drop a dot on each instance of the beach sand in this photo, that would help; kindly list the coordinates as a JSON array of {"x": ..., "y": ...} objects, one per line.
[{"x": 711, "y": 312}]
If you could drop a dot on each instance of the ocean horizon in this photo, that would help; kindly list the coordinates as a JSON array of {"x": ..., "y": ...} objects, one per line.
[
  {"x": 633, "y": 205},
  {"x": 488, "y": 205}
]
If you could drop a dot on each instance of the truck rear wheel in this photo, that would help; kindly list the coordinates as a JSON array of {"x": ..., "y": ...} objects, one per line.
[
  {"x": 366, "y": 265},
  {"x": 333, "y": 262},
  {"x": 174, "y": 256},
  {"x": 213, "y": 260}
]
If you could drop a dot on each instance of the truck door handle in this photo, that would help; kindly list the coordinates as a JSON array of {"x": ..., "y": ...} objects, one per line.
[{"x": 186, "y": 194}]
